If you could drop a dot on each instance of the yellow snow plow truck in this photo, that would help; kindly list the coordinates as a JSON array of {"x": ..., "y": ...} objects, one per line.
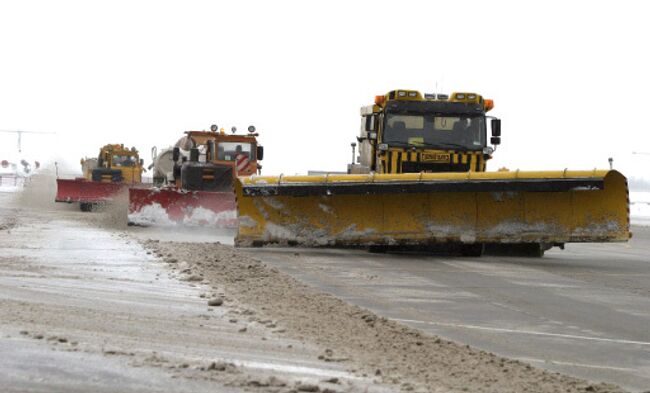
[
  {"x": 114, "y": 170},
  {"x": 420, "y": 182}
]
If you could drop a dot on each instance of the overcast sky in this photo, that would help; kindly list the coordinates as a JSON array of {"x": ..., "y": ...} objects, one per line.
[{"x": 569, "y": 79}]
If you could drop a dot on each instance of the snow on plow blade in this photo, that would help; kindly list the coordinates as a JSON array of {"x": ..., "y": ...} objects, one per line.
[
  {"x": 171, "y": 207},
  {"x": 422, "y": 209},
  {"x": 86, "y": 191}
]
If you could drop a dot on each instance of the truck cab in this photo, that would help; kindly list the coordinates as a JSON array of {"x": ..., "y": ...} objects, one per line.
[
  {"x": 406, "y": 132},
  {"x": 210, "y": 160},
  {"x": 115, "y": 164}
]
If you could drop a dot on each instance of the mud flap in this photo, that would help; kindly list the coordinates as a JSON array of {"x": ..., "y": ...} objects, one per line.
[{"x": 420, "y": 209}]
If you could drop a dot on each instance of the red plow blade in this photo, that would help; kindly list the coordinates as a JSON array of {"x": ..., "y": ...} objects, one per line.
[
  {"x": 85, "y": 191},
  {"x": 192, "y": 208}
]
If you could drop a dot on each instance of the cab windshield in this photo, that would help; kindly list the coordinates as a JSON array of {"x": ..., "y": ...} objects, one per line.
[
  {"x": 122, "y": 160},
  {"x": 465, "y": 132},
  {"x": 228, "y": 151}
]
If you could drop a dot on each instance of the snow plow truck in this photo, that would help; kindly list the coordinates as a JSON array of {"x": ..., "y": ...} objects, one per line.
[
  {"x": 194, "y": 180},
  {"x": 113, "y": 171},
  {"x": 420, "y": 181}
]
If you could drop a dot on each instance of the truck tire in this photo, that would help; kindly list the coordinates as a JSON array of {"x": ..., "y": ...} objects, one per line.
[
  {"x": 527, "y": 250},
  {"x": 378, "y": 249},
  {"x": 534, "y": 250},
  {"x": 472, "y": 250}
]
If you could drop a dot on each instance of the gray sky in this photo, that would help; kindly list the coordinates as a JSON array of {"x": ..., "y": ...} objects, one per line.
[{"x": 569, "y": 79}]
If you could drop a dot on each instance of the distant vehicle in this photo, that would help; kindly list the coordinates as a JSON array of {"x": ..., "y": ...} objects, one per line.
[{"x": 116, "y": 168}]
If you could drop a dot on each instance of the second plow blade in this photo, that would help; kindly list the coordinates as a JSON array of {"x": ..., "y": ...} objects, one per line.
[
  {"x": 86, "y": 191},
  {"x": 168, "y": 207},
  {"x": 426, "y": 209}
]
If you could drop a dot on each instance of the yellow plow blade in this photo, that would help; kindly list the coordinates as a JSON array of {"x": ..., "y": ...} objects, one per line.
[{"x": 552, "y": 207}]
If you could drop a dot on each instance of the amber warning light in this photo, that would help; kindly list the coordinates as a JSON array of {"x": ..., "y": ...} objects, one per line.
[{"x": 489, "y": 104}]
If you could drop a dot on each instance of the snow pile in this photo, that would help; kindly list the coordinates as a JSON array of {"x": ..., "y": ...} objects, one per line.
[
  {"x": 155, "y": 214},
  {"x": 200, "y": 216}
]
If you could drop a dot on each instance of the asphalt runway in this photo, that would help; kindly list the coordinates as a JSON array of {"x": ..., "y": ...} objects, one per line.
[{"x": 583, "y": 311}]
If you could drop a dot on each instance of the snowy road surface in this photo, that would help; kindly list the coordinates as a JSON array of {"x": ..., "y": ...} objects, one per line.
[{"x": 85, "y": 308}]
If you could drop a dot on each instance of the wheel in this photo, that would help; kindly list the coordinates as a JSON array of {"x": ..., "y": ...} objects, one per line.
[
  {"x": 472, "y": 250},
  {"x": 89, "y": 206},
  {"x": 533, "y": 250}
]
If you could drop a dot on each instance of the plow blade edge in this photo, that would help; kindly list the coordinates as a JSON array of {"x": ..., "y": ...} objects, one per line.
[
  {"x": 85, "y": 191},
  {"x": 423, "y": 209},
  {"x": 172, "y": 207}
]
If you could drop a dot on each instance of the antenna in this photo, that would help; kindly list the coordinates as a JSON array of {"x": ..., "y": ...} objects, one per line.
[{"x": 20, "y": 136}]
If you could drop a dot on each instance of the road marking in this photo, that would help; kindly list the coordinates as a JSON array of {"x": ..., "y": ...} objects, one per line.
[
  {"x": 503, "y": 330},
  {"x": 560, "y": 363}
]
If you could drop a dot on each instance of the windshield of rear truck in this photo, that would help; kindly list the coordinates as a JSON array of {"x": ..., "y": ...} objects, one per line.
[
  {"x": 228, "y": 151},
  {"x": 124, "y": 160},
  {"x": 465, "y": 132}
]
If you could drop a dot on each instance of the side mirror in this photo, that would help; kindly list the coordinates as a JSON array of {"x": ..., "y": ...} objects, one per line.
[
  {"x": 371, "y": 123},
  {"x": 176, "y": 173},
  {"x": 141, "y": 162},
  {"x": 194, "y": 154},
  {"x": 496, "y": 127},
  {"x": 260, "y": 153},
  {"x": 211, "y": 149},
  {"x": 495, "y": 140},
  {"x": 176, "y": 154}
]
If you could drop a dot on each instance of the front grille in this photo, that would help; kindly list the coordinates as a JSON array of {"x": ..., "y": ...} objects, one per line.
[{"x": 416, "y": 167}]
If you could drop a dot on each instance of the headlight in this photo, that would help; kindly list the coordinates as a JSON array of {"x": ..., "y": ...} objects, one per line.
[
  {"x": 488, "y": 150},
  {"x": 382, "y": 146}
]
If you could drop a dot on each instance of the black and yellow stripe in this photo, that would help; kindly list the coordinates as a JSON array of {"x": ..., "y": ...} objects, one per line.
[{"x": 393, "y": 160}]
